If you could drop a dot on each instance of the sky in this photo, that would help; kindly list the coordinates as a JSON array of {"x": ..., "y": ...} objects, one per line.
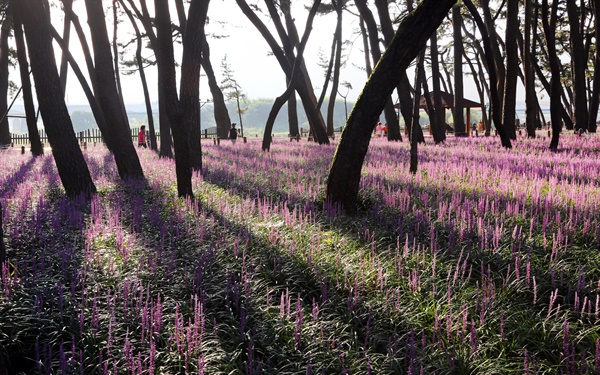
[{"x": 248, "y": 55}]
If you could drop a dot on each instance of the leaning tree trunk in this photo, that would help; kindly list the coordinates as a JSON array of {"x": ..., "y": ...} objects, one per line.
[
  {"x": 222, "y": 118},
  {"x": 412, "y": 34},
  {"x": 72, "y": 169},
  {"x": 34, "y": 136},
  {"x": 126, "y": 158},
  {"x": 4, "y": 57}
]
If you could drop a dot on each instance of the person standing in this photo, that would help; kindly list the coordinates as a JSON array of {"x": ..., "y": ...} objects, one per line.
[
  {"x": 233, "y": 133},
  {"x": 142, "y": 136}
]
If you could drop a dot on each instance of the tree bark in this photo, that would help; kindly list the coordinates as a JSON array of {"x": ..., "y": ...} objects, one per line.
[
  {"x": 414, "y": 144},
  {"x": 344, "y": 176},
  {"x": 437, "y": 122},
  {"x": 2, "y": 246},
  {"x": 336, "y": 70},
  {"x": 4, "y": 57},
  {"x": 289, "y": 92},
  {"x": 285, "y": 60},
  {"x": 403, "y": 89},
  {"x": 64, "y": 63},
  {"x": 494, "y": 49},
  {"x": 388, "y": 110},
  {"x": 69, "y": 160},
  {"x": 184, "y": 112},
  {"x": 222, "y": 118},
  {"x": 512, "y": 68},
  {"x": 549, "y": 26},
  {"x": 530, "y": 95},
  {"x": 495, "y": 97},
  {"x": 126, "y": 159},
  {"x": 595, "y": 100},
  {"x": 116, "y": 62},
  {"x": 292, "y": 110},
  {"x": 140, "y": 63},
  {"x": 166, "y": 141},
  {"x": 34, "y": 136},
  {"x": 579, "y": 64},
  {"x": 459, "y": 103}
]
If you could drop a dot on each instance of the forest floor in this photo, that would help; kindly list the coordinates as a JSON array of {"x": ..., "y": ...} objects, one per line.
[{"x": 484, "y": 261}]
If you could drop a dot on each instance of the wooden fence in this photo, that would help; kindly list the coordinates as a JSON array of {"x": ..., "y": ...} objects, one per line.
[{"x": 94, "y": 136}]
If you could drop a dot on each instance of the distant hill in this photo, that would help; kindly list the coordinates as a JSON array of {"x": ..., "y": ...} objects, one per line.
[{"x": 254, "y": 118}]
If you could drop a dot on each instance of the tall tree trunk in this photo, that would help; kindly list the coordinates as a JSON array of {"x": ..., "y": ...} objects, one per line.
[
  {"x": 292, "y": 109},
  {"x": 388, "y": 110},
  {"x": 222, "y": 118},
  {"x": 414, "y": 144},
  {"x": 289, "y": 91},
  {"x": 494, "y": 48},
  {"x": 4, "y": 54},
  {"x": 579, "y": 64},
  {"x": 184, "y": 112},
  {"x": 365, "y": 39},
  {"x": 495, "y": 97},
  {"x": 437, "y": 122},
  {"x": 142, "y": 72},
  {"x": 530, "y": 95},
  {"x": 403, "y": 88},
  {"x": 479, "y": 87},
  {"x": 459, "y": 106},
  {"x": 189, "y": 92},
  {"x": 595, "y": 100},
  {"x": 64, "y": 63},
  {"x": 512, "y": 69},
  {"x": 166, "y": 142},
  {"x": 115, "y": 48},
  {"x": 313, "y": 112},
  {"x": 336, "y": 70},
  {"x": 549, "y": 26},
  {"x": 2, "y": 246},
  {"x": 412, "y": 34},
  {"x": 31, "y": 118},
  {"x": 168, "y": 86},
  {"x": 126, "y": 159},
  {"x": 285, "y": 60},
  {"x": 69, "y": 160}
]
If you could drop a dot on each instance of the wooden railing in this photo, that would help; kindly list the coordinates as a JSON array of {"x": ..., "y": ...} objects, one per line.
[{"x": 94, "y": 136}]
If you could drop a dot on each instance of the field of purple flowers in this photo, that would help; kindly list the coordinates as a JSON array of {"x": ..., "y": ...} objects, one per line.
[{"x": 486, "y": 261}]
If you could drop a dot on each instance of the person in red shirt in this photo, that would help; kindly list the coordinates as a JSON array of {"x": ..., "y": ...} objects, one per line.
[{"x": 142, "y": 136}]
